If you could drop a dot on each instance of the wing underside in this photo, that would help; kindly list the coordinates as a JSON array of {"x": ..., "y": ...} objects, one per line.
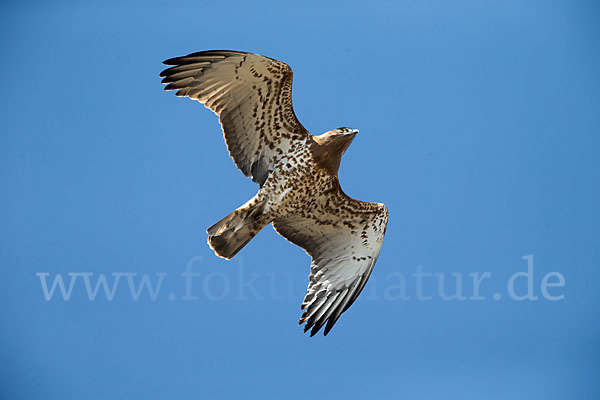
[
  {"x": 343, "y": 236},
  {"x": 252, "y": 95}
]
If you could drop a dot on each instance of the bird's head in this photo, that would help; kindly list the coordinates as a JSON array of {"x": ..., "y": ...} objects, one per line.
[
  {"x": 337, "y": 140},
  {"x": 332, "y": 145}
]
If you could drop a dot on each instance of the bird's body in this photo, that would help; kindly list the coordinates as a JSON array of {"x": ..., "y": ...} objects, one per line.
[{"x": 297, "y": 173}]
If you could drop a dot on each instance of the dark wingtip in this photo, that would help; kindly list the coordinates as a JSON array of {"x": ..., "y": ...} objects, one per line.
[
  {"x": 331, "y": 322},
  {"x": 172, "y": 61},
  {"x": 209, "y": 53},
  {"x": 306, "y": 328}
]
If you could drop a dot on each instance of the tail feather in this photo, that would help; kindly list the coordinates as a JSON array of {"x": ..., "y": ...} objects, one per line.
[{"x": 228, "y": 236}]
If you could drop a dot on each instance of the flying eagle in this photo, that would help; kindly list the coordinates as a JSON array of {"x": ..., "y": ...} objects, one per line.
[{"x": 297, "y": 173}]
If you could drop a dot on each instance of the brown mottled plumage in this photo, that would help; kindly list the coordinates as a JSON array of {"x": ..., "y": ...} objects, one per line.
[{"x": 297, "y": 173}]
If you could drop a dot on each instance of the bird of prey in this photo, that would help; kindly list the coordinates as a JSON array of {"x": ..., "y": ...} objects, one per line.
[{"x": 297, "y": 173}]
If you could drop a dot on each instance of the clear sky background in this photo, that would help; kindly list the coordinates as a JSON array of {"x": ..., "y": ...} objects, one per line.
[{"x": 480, "y": 130}]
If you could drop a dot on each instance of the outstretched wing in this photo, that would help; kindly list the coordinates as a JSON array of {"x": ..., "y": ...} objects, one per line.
[
  {"x": 252, "y": 95},
  {"x": 343, "y": 236}
]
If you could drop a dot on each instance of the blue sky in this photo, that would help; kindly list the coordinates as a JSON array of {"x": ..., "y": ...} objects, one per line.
[{"x": 479, "y": 130}]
